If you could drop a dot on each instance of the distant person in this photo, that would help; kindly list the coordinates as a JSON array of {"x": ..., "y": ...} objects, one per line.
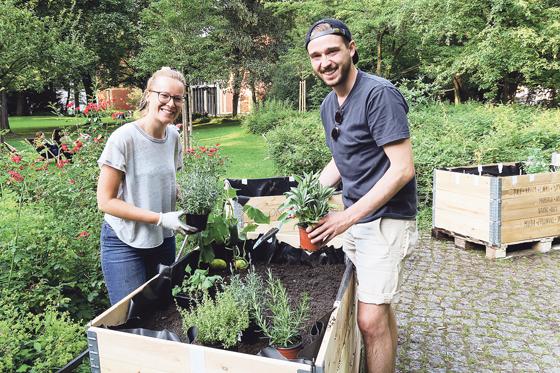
[
  {"x": 43, "y": 147},
  {"x": 137, "y": 189},
  {"x": 364, "y": 117}
]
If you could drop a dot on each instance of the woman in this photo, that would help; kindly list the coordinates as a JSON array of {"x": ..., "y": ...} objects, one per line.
[{"x": 137, "y": 191}]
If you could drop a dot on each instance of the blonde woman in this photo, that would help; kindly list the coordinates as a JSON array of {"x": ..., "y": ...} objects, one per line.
[{"x": 137, "y": 191}]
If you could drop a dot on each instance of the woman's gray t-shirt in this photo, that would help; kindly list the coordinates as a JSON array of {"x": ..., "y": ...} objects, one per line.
[{"x": 149, "y": 181}]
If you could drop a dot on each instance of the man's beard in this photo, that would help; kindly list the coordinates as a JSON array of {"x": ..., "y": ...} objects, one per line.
[{"x": 344, "y": 71}]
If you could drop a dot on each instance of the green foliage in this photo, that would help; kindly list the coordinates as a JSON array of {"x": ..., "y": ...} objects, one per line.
[
  {"x": 196, "y": 282},
  {"x": 298, "y": 145},
  {"x": 36, "y": 342},
  {"x": 281, "y": 323},
  {"x": 536, "y": 162},
  {"x": 219, "y": 321},
  {"x": 308, "y": 201},
  {"x": 470, "y": 134},
  {"x": 267, "y": 116},
  {"x": 199, "y": 181}
]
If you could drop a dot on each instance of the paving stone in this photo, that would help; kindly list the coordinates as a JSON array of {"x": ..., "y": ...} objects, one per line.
[{"x": 460, "y": 312}]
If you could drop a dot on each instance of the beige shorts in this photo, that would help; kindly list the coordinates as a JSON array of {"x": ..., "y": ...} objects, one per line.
[{"x": 378, "y": 249}]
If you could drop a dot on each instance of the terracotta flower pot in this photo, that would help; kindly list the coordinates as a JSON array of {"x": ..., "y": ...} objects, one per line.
[
  {"x": 197, "y": 221},
  {"x": 291, "y": 352},
  {"x": 305, "y": 242}
]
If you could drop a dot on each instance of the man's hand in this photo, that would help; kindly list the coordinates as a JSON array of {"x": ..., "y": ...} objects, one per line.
[
  {"x": 172, "y": 220},
  {"x": 329, "y": 227}
]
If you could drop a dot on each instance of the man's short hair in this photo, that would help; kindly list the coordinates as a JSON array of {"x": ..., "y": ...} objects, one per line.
[{"x": 330, "y": 26}]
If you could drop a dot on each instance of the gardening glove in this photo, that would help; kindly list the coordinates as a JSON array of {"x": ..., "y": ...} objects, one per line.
[{"x": 172, "y": 220}]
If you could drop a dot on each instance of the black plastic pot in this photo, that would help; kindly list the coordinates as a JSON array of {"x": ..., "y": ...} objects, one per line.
[
  {"x": 252, "y": 334},
  {"x": 197, "y": 221}
]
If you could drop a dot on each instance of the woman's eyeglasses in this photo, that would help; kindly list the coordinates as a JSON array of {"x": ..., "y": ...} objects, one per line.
[
  {"x": 336, "y": 129},
  {"x": 165, "y": 97}
]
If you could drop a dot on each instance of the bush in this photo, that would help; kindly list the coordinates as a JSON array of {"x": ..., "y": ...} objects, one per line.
[
  {"x": 299, "y": 145},
  {"x": 268, "y": 116},
  {"x": 36, "y": 342}
]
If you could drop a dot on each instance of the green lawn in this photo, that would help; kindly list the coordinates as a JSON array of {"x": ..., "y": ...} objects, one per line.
[
  {"x": 28, "y": 125},
  {"x": 246, "y": 151}
]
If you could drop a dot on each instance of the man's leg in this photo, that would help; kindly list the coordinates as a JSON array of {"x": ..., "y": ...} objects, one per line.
[{"x": 379, "y": 332}]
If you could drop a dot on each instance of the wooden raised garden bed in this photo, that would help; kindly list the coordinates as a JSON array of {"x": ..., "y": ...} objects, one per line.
[
  {"x": 499, "y": 207},
  {"x": 118, "y": 351}
]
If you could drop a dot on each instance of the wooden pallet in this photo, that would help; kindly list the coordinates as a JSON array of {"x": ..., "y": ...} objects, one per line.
[{"x": 504, "y": 251}]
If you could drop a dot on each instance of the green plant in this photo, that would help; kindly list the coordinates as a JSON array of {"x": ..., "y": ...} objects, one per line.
[
  {"x": 281, "y": 323},
  {"x": 199, "y": 181},
  {"x": 196, "y": 282},
  {"x": 536, "y": 162},
  {"x": 220, "y": 321},
  {"x": 249, "y": 291},
  {"x": 298, "y": 145},
  {"x": 308, "y": 201},
  {"x": 267, "y": 116}
]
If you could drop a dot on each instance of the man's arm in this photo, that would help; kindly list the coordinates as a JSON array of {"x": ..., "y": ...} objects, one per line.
[
  {"x": 400, "y": 172},
  {"x": 330, "y": 176}
]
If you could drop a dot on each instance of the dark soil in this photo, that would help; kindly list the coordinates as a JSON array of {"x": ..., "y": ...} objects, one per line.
[{"x": 320, "y": 282}]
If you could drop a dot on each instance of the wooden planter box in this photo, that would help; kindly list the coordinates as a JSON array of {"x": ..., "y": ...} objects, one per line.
[
  {"x": 496, "y": 206},
  {"x": 115, "y": 351}
]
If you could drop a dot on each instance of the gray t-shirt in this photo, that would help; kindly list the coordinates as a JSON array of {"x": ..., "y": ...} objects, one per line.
[
  {"x": 149, "y": 182},
  {"x": 374, "y": 115}
]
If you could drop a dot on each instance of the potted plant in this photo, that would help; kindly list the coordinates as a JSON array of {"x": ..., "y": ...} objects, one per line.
[
  {"x": 198, "y": 184},
  {"x": 278, "y": 321},
  {"x": 220, "y": 321},
  {"x": 308, "y": 202}
]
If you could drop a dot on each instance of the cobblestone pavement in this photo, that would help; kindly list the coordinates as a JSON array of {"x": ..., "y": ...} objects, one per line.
[{"x": 461, "y": 312}]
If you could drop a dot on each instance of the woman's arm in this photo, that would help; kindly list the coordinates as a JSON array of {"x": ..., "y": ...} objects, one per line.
[{"x": 107, "y": 189}]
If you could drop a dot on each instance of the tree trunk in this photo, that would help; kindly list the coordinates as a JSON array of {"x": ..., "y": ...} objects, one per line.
[
  {"x": 20, "y": 103},
  {"x": 76, "y": 94},
  {"x": 236, "y": 90},
  {"x": 67, "y": 99},
  {"x": 457, "y": 85},
  {"x": 4, "y": 122},
  {"x": 88, "y": 87},
  {"x": 254, "y": 94},
  {"x": 379, "y": 52}
]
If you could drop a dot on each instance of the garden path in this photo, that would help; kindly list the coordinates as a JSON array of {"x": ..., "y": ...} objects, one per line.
[{"x": 460, "y": 312}]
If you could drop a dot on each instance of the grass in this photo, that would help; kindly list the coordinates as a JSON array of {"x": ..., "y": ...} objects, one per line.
[{"x": 246, "y": 152}]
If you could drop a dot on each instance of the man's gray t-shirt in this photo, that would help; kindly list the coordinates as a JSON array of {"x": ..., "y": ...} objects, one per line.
[
  {"x": 149, "y": 181},
  {"x": 374, "y": 115}
]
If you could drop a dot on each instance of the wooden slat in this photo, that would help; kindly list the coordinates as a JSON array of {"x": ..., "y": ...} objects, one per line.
[
  {"x": 342, "y": 340},
  {"x": 124, "y": 352},
  {"x": 529, "y": 211},
  {"x": 466, "y": 184},
  {"x": 530, "y": 228},
  {"x": 466, "y": 224},
  {"x": 457, "y": 201},
  {"x": 521, "y": 181}
]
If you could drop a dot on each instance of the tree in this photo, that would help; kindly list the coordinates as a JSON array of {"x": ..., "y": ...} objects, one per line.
[{"x": 35, "y": 51}]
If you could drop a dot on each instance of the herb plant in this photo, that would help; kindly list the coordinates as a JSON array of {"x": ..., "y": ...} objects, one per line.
[
  {"x": 281, "y": 323},
  {"x": 308, "y": 201}
]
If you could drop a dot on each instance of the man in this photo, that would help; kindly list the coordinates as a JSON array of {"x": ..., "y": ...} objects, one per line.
[{"x": 367, "y": 133}]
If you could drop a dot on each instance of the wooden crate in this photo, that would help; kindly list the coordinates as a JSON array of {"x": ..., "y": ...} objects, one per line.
[
  {"x": 115, "y": 351},
  {"x": 497, "y": 206}
]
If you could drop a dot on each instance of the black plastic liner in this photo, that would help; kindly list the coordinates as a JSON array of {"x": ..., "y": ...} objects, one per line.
[
  {"x": 491, "y": 170},
  {"x": 247, "y": 188}
]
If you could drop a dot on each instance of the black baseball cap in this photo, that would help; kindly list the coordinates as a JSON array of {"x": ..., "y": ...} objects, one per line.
[{"x": 337, "y": 28}]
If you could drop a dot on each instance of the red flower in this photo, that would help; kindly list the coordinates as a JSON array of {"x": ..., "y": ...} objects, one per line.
[
  {"x": 16, "y": 176},
  {"x": 97, "y": 139},
  {"x": 64, "y": 147},
  {"x": 83, "y": 234},
  {"x": 217, "y": 144},
  {"x": 16, "y": 158},
  {"x": 61, "y": 162},
  {"x": 72, "y": 181},
  {"x": 70, "y": 104}
]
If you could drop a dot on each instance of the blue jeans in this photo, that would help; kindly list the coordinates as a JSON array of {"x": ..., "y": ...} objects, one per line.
[{"x": 125, "y": 268}]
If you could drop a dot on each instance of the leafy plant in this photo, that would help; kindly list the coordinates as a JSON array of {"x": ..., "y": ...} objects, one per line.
[
  {"x": 536, "y": 162},
  {"x": 281, "y": 323},
  {"x": 196, "y": 282},
  {"x": 219, "y": 321},
  {"x": 308, "y": 201}
]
